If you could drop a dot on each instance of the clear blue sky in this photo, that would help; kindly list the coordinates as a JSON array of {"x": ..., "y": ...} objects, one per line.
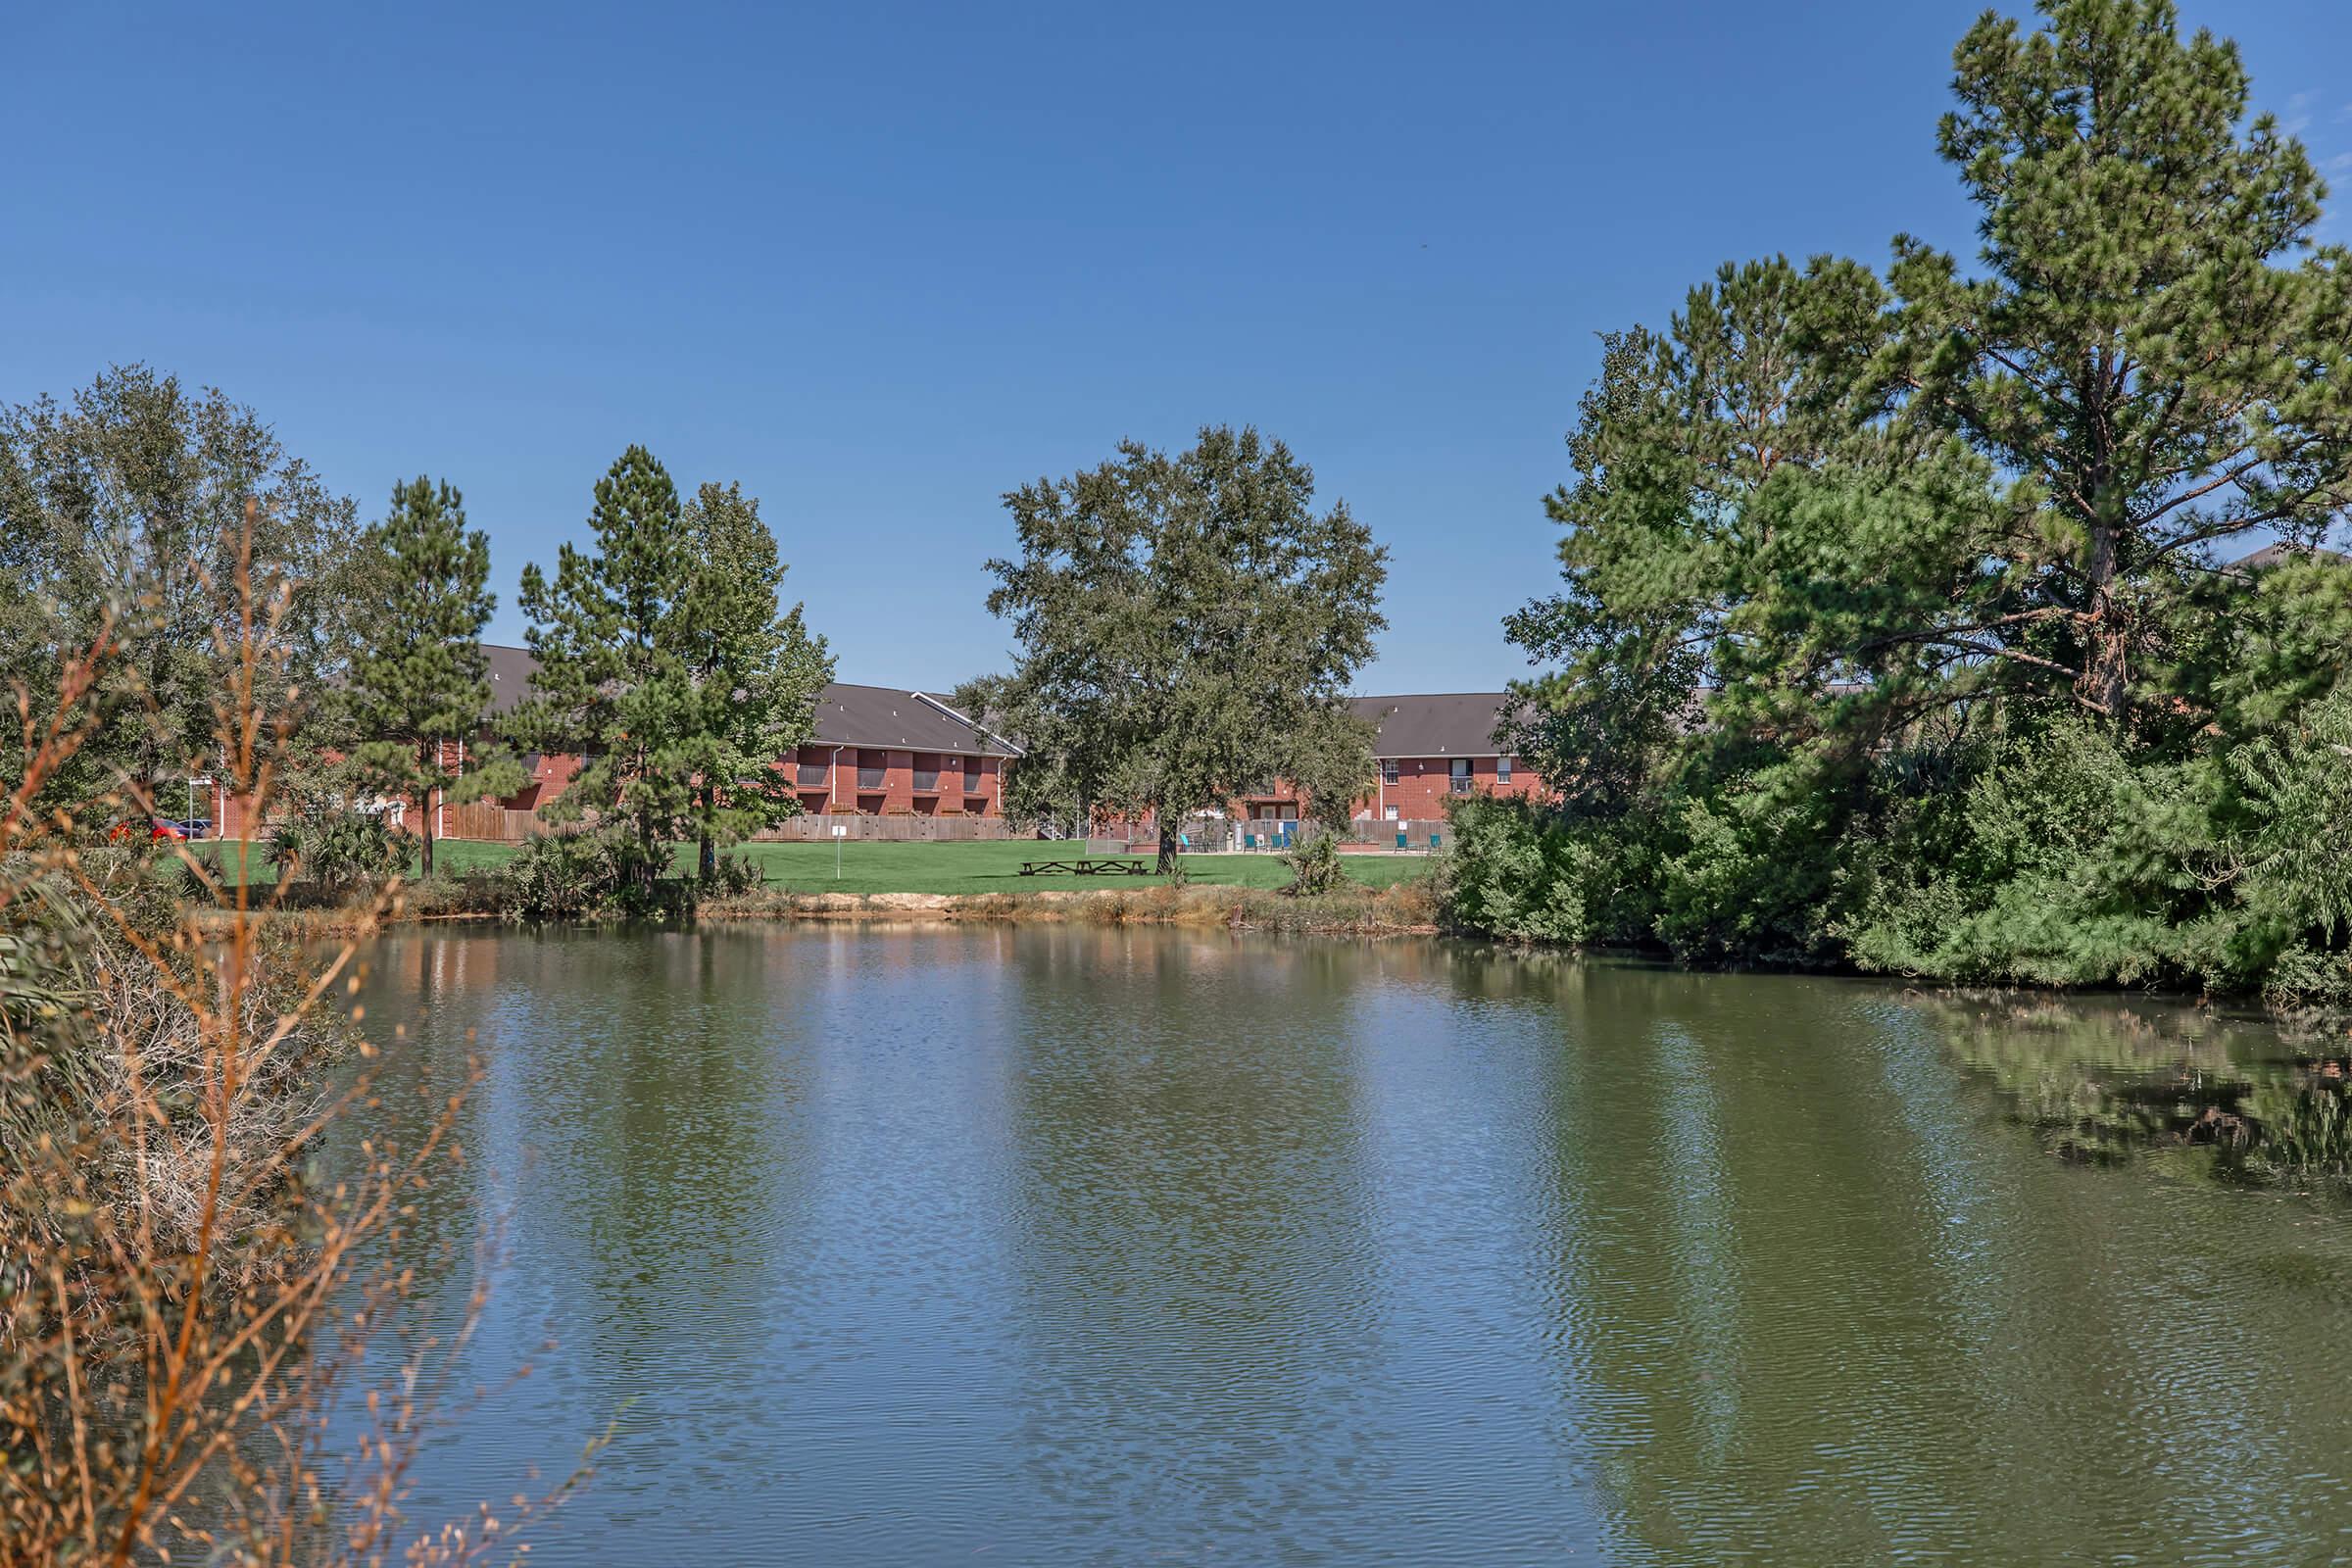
[{"x": 883, "y": 263}]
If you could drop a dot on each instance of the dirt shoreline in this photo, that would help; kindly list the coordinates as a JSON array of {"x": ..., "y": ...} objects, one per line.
[{"x": 1404, "y": 910}]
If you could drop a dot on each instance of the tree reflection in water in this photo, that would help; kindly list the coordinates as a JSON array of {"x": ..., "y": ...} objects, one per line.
[{"x": 2232, "y": 1096}]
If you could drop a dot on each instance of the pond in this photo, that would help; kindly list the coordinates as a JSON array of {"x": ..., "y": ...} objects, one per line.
[{"x": 1050, "y": 1244}]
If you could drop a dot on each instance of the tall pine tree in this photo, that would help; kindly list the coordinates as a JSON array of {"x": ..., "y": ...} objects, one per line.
[
  {"x": 2156, "y": 350},
  {"x": 755, "y": 671},
  {"x": 611, "y": 681},
  {"x": 418, "y": 691}
]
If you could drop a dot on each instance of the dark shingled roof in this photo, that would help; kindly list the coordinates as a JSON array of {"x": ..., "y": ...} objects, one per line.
[
  {"x": 885, "y": 716},
  {"x": 880, "y": 716},
  {"x": 2278, "y": 555},
  {"x": 509, "y": 677},
  {"x": 1434, "y": 723}
]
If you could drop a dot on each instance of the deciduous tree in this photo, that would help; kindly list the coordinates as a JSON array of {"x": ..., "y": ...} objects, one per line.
[
  {"x": 128, "y": 500},
  {"x": 1185, "y": 623}
]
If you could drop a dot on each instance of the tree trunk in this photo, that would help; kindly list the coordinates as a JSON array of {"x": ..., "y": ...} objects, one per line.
[
  {"x": 707, "y": 859},
  {"x": 2105, "y": 682},
  {"x": 426, "y": 828},
  {"x": 1169, "y": 867}
]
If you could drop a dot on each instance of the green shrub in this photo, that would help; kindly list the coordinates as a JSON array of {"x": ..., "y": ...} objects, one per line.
[
  {"x": 1314, "y": 863},
  {"x": 1518, "y": 869},
  {"x": 338, "y": 851},
  {"x": 733, "y": 876},
  {"x": 560, "y": 876}
]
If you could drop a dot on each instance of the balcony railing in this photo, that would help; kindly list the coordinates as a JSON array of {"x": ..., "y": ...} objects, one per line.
[
  {"x": 814, "y": 775},
  {"x": 926, "y": 781},
  {"x": 1459, "y": 786},
  {"x": 871, "y": 778}
]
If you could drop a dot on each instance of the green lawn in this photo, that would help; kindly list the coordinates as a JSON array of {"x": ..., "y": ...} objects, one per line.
[
  {"x": 987, "y": 865},
  {"x": 995, "y": 867}
]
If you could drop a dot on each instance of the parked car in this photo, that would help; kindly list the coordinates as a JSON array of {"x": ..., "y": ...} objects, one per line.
[{"x": 157, "y": 829}]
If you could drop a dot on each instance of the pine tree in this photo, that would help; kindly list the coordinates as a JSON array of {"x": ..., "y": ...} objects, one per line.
[
  {"x": 611, "y": 681},
  {"x": 2156, "y": 348},
  {"x": 754, "y": 668},
  {"x": 419, "y": 686}
]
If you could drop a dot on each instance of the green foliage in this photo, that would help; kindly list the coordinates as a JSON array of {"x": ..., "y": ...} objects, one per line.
[
  {"x": 1893, "y": 632},
  {"x": 732, "y": 876},
  {"x": 611, "y": 680},
  {"x": 1513, "y": 868},
  {"x": 338, "y": 851},
  {"x": 127, "y": 502},
  {"x": 665, "y": 655},
  {"x": 755, "y": 674},
  {"x": 1189, "y": 627},
  {"x": 582, "y": 876},
  {"x": 1314, "y": 863},
  {"x": 420, "y": 680}
]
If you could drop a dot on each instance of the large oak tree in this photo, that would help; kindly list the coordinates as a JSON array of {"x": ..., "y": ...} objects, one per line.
[{"x": 1188, "y": 626}]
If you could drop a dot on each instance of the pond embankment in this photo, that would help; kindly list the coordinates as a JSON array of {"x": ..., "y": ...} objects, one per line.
[{"x": 1407, "y": 909}]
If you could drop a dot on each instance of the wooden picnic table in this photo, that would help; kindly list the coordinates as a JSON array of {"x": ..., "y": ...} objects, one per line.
[{"x": 1090, "y": 866}]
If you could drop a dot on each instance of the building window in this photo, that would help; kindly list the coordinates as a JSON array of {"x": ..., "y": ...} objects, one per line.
[
  {"x": 1390, "y": 814},
  {"x": 1458, "y": 771},
  {"x": 1503, "y": 771},
  {"x": 1387, "y": 770}
]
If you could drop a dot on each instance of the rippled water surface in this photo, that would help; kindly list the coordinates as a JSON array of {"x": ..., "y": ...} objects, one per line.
[{"x": 1044, "y": 1246}]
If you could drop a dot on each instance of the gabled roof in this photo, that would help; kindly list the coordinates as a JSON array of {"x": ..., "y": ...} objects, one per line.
[
  {"x": 509, "y": 677},
  {"x": 1432, "y": 723},
  {"x": 882, "y": 716},
  {"x": 2281, "y": 554},
  {"x": 886, "y": 716}
]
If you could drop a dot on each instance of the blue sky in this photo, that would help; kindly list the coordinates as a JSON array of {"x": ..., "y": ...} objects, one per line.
[{"x": 883, "y": 263}]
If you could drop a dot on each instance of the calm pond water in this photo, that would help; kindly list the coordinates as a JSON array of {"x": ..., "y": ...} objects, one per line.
[{"x": 1054, "y": 1246}]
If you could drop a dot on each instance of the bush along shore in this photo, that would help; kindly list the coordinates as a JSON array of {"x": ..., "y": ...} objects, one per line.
[{"x": 1966, "y": 619}]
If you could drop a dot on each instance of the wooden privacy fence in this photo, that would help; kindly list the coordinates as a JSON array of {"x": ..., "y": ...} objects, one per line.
[
  {"x": 896, "y": 829},
  {"x": 487, "y": 819},
  {"x": 483, "y": 820},
  {"x": 1412, "y": 833}
]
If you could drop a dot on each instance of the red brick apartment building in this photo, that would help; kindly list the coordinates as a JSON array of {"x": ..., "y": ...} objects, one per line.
[
  {"x": 880, "y": 752},
  {"x": 1429, "y": 747},
  {"x": 876, "y": 751}
]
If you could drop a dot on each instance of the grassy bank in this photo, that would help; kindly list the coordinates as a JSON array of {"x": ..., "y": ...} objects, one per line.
[
  {"x": 963, "y": 869},
  {"x": 954, "y": 882},
  {"x": 1403, "y": 906}
]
